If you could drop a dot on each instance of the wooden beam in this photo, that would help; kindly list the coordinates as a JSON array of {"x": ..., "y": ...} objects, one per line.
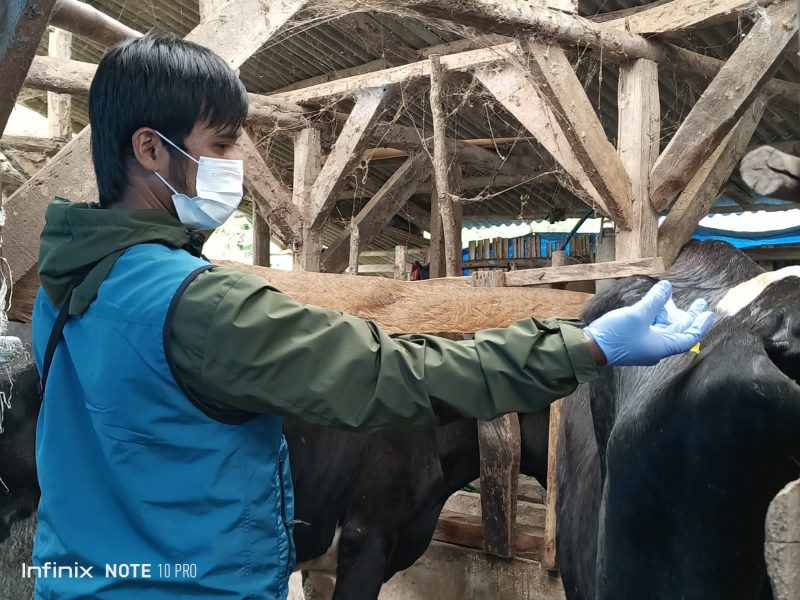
[
  {"x": 307, "y": 166},
  {"x": 270, "y": 197},
  {"x": 416, "y": 215},
  {"x": 380, "y": 210},
  {"x": 467, "y": 183},
  {"x": 208, "y": 8},
  {"x": 88, "y": 22},
  {"x": 66, "y": 174},
  {"x": 59, "y": 106},
  {"x": 614, "y": 45},
  {"x": 681, "y": 15},
  {"x": 477, "y": 12},
  {"x": 559, "y": 85},
  {"x": 585, "y": 272},
  {"x": 515, "y": 90},
  {"x": 346, "y": 153},
  {"x": 22, "y": 23},
  {"x": 723, "y": 102},
  {"x": 499, "y": 442},
  {"x": 26, "y": 143},
  {"x": 770, "y": 172},
  {"x": 698, "y": 197},
  {"x": 637, "y": 143},
  {"x": 247, "y": 24}
]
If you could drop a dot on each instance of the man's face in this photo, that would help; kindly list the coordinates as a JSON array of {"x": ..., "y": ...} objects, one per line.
[{"x": 201, "y": 141}]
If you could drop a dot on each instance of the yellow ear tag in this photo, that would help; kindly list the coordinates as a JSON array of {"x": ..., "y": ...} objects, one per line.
[{"x": 695, "y": 348}]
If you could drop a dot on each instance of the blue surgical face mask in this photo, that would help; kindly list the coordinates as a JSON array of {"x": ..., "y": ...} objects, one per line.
[{"x": 219, "y": 191}]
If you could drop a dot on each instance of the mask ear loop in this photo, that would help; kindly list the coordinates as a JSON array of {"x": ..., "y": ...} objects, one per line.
[
  {"x": 179, "y": 149},
  {"x": 165, "y": 182}
]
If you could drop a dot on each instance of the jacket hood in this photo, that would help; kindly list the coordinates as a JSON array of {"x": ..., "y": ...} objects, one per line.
[{"x": 82, "y": 240}]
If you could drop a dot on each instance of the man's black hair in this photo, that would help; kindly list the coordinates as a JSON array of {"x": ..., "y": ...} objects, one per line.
[{"x": 162, "y": 82}]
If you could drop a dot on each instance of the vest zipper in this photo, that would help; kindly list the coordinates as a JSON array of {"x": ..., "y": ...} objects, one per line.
[{"x": 287, "y": 526}]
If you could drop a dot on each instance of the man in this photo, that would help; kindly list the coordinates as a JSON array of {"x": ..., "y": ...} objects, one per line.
[{"x": 159, "y": 439}]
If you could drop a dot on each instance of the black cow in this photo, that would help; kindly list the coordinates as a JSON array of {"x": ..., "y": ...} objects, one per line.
[{"x": 665, "y": 473}]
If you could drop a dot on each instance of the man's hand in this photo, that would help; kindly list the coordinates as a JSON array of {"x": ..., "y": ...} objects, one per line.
[{"x": 650, "y": 330}]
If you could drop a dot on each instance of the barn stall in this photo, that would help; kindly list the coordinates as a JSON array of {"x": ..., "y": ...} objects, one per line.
[{"x": 374, "y": 124}]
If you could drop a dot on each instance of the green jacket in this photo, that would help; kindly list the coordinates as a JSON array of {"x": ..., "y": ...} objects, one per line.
[{"x": 239, "y": 343}]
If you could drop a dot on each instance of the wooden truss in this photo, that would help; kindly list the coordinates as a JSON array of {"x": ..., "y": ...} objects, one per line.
[{"x": 531, "y": 77}]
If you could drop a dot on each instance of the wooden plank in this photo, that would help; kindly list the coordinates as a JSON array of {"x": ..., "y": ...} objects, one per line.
[
  {"x": 586, "y": 272},
  {"x": 637, "y": 144},
  {"x": 86, "y": 21},
  {"x": 270, "y": 196},
  {"x": 515, "y": 90},
  {"x": 681, "y": 15},
  {"x": 549, "y": 558},
  {"x": 307, "y": 166},
  {"x": 562, "y": 90},
  {"x": 770, "y": 172},
  {"x": 499, "y": 442},
  {"x": 698, "y": 197},
  {"x": 346, "y": 153},
  {"x": 380, "y": 210},
  {"x": 22, "y": 23},
  {"x": 442, "y": 167},
  {"x": 59, "y": 106},
  {"x": 261, "y": 239},
  {"x": 723, "y": 102},
  {"x": 466, "y": 530},
  {"x": 238, "y": 29},
  {"x": 207, "y": 8}
]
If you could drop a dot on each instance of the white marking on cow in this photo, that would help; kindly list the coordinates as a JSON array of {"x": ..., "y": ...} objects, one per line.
[
  {"x": 327, "y": 562},
  {"x": 745, "y": 293}
]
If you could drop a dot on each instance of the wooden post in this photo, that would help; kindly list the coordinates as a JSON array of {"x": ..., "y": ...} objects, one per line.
[
  {"x": 637, "y": 145},
  {"x": 22, "y": 23},
  {"x": 355, "y": 238},
  {"x": 782, "y": 544},
  {"x": 261, "y": 239},
  {"x": 441, "y": 167},
  {"x": 499, "y": 442},
  {"x": 307, "y": 165},
  {"x": 59, "y": 106},
  {"x": 436, "y": 255},
  {"x": 549, "y": 559},
  {"x": 400, "y": 253}
]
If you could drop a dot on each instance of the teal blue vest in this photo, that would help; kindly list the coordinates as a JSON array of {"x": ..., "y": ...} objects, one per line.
[{"x": 134, "y": 472}]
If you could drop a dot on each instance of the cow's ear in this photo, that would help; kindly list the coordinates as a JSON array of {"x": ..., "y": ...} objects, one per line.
[{"x": 781, "y": 334}]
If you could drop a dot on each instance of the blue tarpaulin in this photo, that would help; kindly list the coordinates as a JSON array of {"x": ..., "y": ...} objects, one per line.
[{"x": 750, "y": 239}]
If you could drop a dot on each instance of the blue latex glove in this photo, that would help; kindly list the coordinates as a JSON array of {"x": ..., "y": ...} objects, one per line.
[{"x": 651, "y": 329}]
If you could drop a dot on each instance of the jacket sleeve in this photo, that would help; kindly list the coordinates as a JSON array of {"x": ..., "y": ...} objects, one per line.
[{"x": 235, "y": 342}]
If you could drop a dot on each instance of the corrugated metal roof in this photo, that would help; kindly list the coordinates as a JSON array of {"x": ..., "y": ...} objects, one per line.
[{"x": 333, "y": 45}]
